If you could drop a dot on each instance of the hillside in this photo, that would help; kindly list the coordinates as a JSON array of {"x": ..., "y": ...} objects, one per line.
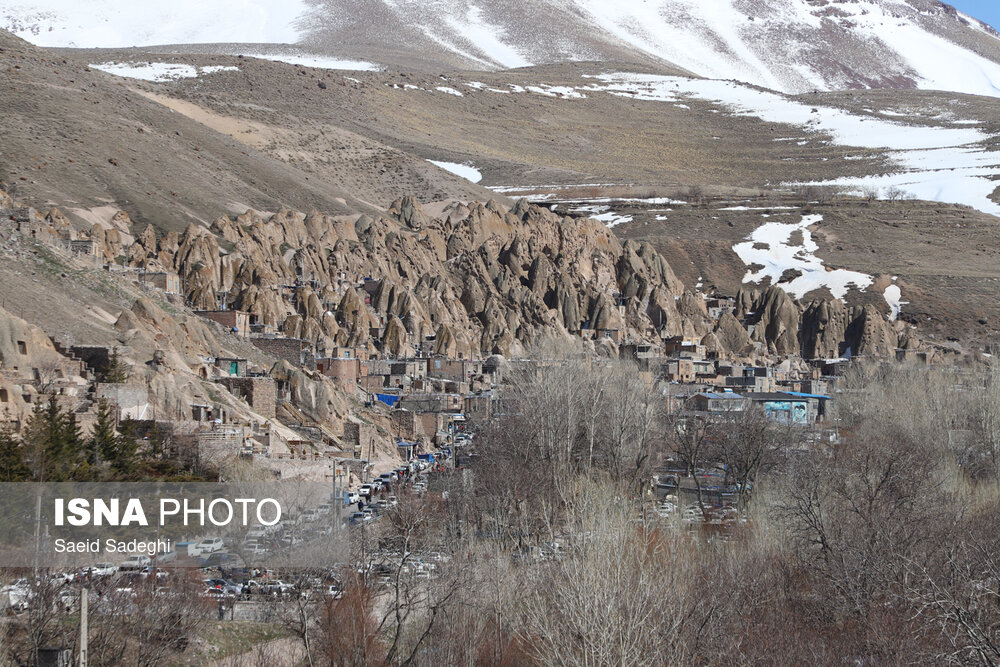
[{"x": 85, "y": 139}]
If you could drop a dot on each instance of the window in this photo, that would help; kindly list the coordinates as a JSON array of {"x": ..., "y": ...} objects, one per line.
[
  {"x": 22, "y": 347},
  {"x": 4, "y": 396}
]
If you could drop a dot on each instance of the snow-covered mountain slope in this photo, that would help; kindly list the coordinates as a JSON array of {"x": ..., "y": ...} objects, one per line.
[
  {"x": 120, "y": 23},
  {"x": 786, "y": 45}
]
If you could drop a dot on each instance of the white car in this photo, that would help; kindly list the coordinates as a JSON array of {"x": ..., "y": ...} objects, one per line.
[
  {"x": 352, "y": 497},
  {"x": 136, "y": 562},
  {"x": 366, "y": 491},
  {"x": 210, "y": 545},
  {"x": 100, "y": 570},
  {"x": 277, "y": 587},
  {"x": 254, "y": 548}
]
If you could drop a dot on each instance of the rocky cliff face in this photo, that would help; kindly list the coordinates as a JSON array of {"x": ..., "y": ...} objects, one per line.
[
  {"x": 477, "y": 279},
  {"x": 473, "y": 280},
  {"x": 820, "y": 329}
]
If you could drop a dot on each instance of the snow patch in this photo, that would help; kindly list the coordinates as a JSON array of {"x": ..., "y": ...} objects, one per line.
[
  {"x": 556, "y": 91},
  {"x": 160, "y": 72},
  {"x": 946, "y": 164},
  {"x": 317, "y": 61},
  {"x": 487, "y": 38},
  {"x": 770, "y": 247},
  {"x": 611, "y": 219},
  {"x": 892, "y": 295},
  {"x": 466, "y": 171}
]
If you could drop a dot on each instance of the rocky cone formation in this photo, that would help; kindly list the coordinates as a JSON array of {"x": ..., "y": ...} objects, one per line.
[
  {"x": 820, "y": 329},
  {"x": 477, "y": 279}
]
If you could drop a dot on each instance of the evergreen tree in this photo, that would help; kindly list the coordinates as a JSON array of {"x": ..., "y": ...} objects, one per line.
[
  {"x": 125, "y": 458},
  {"x": 117, "y": 371},
  {"x": 103, "y": 443},
  {"x": 12, "y": 464},
  {"x": 54, "y": 443}
]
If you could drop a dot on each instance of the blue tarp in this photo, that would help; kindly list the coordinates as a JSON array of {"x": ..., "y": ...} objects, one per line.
[
  {"x": 801, "y": 395},
  {"x": 388, "y": 399}
]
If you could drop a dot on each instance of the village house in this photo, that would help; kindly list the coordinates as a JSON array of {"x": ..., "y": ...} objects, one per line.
[
  {"x": 344, "y": 370},
  {"x": 790, "y": 407},
  {"x": 231, "y": 366},
  {"x": 372, "y": 383},
  {"x": 412, "y": 368},
  {"x": 718, "y": 403},
  {"x": 679, "y": 370},
  {"x": 260, "y": 393},
  {"x": 675, "y": 345},
  {"x": 717, "y": 306},
  {"x": 131, "y": 401},
  {"x": 295, "y": 351},
  {"x": 236, "y": 321},
  {"x": 751, "y": 382},
  {"x": 418, "y": 425},
  {"x": 164, "y": 280},
  {"x": 361, "y": 438},
  {"x": 613, "y": 334},
  {"x": 430, "y": 402},
  {"x": 457, "y": 370}
]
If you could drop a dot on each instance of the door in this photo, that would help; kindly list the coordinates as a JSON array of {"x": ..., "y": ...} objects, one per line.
[{"x": 234, "y": 368}]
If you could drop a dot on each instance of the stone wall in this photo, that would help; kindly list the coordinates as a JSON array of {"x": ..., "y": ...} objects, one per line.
[
  {"x": 259, "y": 393},
  {"x": 289, "y": 349}
]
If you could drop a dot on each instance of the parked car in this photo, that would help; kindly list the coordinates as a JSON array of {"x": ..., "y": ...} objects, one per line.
[
  {"x": 291, "y": 540},
  {"x": 17, "y": 595},
  {"x": 165, "y": 557},
  {"x": 334, "y": 591},
  {"x": 217, "y": 593},
  {"x": 100, "y": 570},
  {"x": 256, "y": 533},
  {"x": 147, "y": 572},
  {"x": 366, "y": 490},
  {"x": 276, "y": 587},
  {"x": 324, "y": 509},
  {"x": 215, "y": 559},
  {"x": 224, "y": 585},
  {"x": 210, "y": 545},
  {"x": 135, "y": 562},
  {"x": 351, "y": 498},
  {"x": 310, "y": 515},
  {"x": 61, "y": 578}
]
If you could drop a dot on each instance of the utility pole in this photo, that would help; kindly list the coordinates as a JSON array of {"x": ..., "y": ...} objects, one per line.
[{"x": 83, "y": 627}]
